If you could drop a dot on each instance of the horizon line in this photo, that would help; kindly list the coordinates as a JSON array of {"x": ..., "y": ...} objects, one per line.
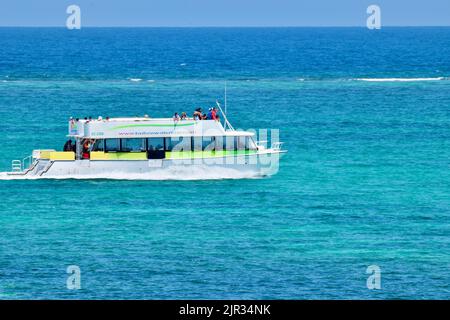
[{"x": 237, "y": 26}]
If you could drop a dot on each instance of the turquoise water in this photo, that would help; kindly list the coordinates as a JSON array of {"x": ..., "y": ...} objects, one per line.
[{"x": 366, "y": 179}]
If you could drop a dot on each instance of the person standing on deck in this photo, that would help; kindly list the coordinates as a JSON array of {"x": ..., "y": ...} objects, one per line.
[{"x": 68, "y": 146}]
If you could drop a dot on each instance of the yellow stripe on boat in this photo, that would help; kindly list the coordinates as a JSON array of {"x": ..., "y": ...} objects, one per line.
[
  {"x": 99, "y": 155},
  {"x": 55, "y": 155},
  {"x": 131, "y": 155},
  {"x": 185, "y": 154},
  {"x": 45, "y": 154},
  {"x": 206, "y": 154}
]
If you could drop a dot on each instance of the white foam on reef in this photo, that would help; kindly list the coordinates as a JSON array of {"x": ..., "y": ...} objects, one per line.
[
  {"x": 399, "y": 79},
  {"x": 172, "y": 173},
  {"x": 135, "y": 79}
]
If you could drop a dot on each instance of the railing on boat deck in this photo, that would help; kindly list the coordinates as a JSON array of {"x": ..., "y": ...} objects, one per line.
[
  {"x": 20, "y": 165},
  {"x": 27, "y": 162},
  {"x": 226, "y": 122},
  {"x": 276, "y": 145},
  {"x": 16, "y": 166}
]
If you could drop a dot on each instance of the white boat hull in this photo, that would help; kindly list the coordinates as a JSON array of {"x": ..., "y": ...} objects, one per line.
[{"x": 238, "y": 167}]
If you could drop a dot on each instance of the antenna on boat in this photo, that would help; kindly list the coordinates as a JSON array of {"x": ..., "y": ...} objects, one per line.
[
  {"x": 227, "y": 123},
  {"x": 225, "y": 96}
]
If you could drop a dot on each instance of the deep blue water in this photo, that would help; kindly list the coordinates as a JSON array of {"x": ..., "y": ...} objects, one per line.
[{"x": 366, "y": 180}]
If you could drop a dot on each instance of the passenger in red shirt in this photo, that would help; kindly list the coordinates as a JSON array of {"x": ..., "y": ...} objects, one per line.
[{"x": 214, "y": 114}]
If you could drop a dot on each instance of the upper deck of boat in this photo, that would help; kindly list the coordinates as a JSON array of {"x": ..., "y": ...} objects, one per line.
[
  {"x": 142, "y": 127},
  {"x": 126, "y": 119}
]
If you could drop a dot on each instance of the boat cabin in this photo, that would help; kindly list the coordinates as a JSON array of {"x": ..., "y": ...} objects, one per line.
[{"x": 148, "y": 138}]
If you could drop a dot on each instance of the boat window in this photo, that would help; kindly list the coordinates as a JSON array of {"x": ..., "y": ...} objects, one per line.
[
  {"x": 196, "y": 143},
  {"x": 179, "y": 144},
  {"x": 99, "y": 145},
  {"x": 240, "y": 143},
  {"x": 219, "y": 143},
  {"x": 229, "y": 143},
  {"x": 112, "y": 145},
  {"x": 155, "y": 144},
  {"x": 170, "y": 142},
  {"x": 133, "y": 145},
  {"x": 208, "y": 143},
  {"x": 186, "y": 143},
  {"x": 250, "y": 144}
]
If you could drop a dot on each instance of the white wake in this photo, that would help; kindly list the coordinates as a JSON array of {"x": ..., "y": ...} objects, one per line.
[{"x": 172, "y": 173}]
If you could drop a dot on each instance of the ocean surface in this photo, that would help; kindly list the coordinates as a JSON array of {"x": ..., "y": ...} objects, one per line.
[{"x": 365, "y": 116}]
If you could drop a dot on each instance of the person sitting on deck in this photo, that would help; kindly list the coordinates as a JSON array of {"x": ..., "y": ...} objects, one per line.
[
  {"x": 68, "y": 146},
  {"x": 86, "y": 149},
  {"x": 183, "y": 116},
  {"x": 214, "y": 114},
  {"x": 198, "y": 114},
  {"x": 176, "y": 117}
]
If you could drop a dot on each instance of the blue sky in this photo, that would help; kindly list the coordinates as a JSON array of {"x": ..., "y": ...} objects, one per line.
[{"x": 225, "y": 12}]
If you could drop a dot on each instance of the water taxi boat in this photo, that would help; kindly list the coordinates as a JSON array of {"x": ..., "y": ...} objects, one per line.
[{"x": 153, "y": 148}]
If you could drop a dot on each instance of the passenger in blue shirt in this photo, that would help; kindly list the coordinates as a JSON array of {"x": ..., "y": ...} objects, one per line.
[{"x": 209, "y": 116}]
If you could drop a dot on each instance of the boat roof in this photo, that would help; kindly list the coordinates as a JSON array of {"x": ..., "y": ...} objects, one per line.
[
  {"x": 146, "y": 127},
  {"x": 121, "y": 119}
]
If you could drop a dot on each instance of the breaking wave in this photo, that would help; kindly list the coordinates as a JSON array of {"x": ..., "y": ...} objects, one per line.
[{"x": 399, "y": 79}]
